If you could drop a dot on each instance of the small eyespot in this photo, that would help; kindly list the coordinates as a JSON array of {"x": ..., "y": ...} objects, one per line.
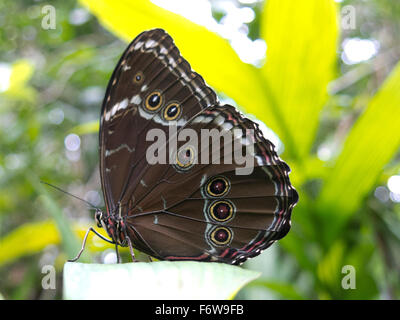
[
  {"x": 154, "y": 101},
  {"x": 221, "y": 211},
  {"x": 221, "y": 236},
  {"x": 172, "y": 111},
  {"x": 218, "y": 186},
  {"x": 138, "y": 77},
  {"x": 185, "y": 158}
]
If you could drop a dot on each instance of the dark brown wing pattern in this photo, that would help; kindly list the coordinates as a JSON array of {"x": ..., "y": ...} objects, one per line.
[
  {"x": 150, "y": 64},
  {"x": 199, "y": 210}
]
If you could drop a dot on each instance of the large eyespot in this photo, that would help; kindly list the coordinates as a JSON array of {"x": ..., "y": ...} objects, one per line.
[
  {"x": 221, "y": 211},
  {"x": 218, "y": 186},
  {"x": 221, "y": 236},
  {"x": 138, "y": 77},
  {"x": 172, "y": 111},
  {"x": 185, "y": 157},
  {"x": 154, "y": 101}
]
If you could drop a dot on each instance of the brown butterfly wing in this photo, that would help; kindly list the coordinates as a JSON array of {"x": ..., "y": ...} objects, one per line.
[
  {"x": 170, "y": 212},
  {"x": 178, "y": 215}
]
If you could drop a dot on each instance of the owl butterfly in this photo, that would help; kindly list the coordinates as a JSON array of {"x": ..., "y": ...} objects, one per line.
[{"x": 191, "y": 208}]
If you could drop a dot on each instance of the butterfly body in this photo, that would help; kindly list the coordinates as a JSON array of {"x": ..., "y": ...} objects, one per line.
[{"x": 197, "y": 206}]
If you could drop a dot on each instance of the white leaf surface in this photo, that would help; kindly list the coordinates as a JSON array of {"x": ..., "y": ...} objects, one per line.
[{"x": 183, "y": 280}]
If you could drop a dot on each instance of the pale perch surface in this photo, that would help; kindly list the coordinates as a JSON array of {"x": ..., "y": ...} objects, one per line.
[{"x": 155, "y": 280}]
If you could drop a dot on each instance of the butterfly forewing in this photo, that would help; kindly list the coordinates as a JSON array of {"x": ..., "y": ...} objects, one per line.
[{"x": 150, "y": 66}]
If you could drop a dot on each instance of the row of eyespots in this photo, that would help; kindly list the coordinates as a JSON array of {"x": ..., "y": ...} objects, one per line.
[
  {"x": 220, "y": 210},
  {"x": 154, "y": 101}
]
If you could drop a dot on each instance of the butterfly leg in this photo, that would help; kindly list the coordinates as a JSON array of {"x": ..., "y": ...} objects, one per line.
[
  {"x": 117, "y": 252},
  {"x": 131, "y": 250},
  {"x": 84, "y": 243}
]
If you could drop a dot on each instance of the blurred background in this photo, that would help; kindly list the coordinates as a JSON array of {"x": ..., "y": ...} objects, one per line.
[{"x": 323, "y": 75}]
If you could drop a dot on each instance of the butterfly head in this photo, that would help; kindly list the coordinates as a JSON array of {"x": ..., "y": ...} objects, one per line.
[
  {"x": 98, "y": 217},
  {"x": 113, "y": 224}
]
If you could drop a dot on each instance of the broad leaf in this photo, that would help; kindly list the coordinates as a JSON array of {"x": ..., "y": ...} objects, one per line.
[
  {"x": 31, "y": 238},
  {"x": 86, "y": 128},
  {"x": 370, "y": 145},
  {"x": 18, "y": 87},
  {"x": 27, "y": 239},
  {"x": 69, "y": 241},
  {"x": 302, "y": 41},
  {"x": 155, "y": 280},
  {"x": 284, "y": 290}
]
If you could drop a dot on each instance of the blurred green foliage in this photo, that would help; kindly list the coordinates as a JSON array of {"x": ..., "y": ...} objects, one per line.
[{"x": 338, "y": 123}]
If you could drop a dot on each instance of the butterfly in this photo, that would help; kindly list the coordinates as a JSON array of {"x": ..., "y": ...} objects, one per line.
[{"x": 187, "y": 208}]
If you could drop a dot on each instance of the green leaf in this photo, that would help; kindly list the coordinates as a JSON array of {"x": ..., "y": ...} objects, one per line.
[
  {"x": 370, "y": 145},
  {"x": 22, "y": 72},
  {"x": 302, "y": 41},
  {"x": 329, "y": 266},
  {"x": 285, "y": 290},
  {"x": 70, "y": 242},
  {"x": 31, "y": 238},
  {"x": 86, "y": 128},
  {"x": 155, "y": 280},
  {"x": 18, "y": 88},
  {"x": 27, "y": 239}
]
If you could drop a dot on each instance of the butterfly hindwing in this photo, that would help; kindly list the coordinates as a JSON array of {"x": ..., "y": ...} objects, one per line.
[{"x": 249, "y": 213}]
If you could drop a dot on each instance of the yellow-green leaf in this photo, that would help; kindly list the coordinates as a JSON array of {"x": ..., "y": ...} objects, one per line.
[
  {"x": 86, "y": 128},
  {"x": 370, "y": 145},
  {"x": 18, "y": 88},
  {"x": 284, "y": 290},
  {"x": 31, "y": 238},
  {"x": 302, "y": 41},
  {"x": 329, "y": 267},
  {"x": 22, "y": 71},
  {"x": 69, "y": 241}
]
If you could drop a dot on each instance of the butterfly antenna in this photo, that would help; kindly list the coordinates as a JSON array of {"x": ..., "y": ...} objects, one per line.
[{"x": 70, "y": 194}]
